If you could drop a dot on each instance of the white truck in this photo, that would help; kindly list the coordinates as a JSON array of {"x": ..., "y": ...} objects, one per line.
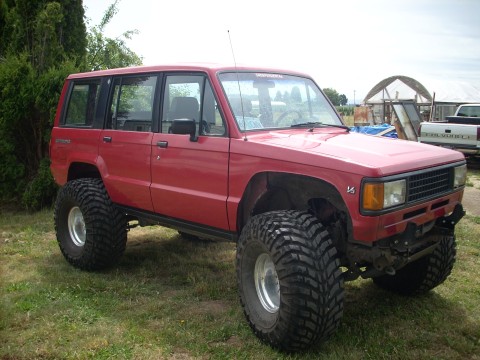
[{"x": 460, "y": 132}]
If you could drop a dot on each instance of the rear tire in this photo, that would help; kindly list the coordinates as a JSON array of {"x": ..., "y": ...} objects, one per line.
[
  {"x": 91, "y": 231},
  {"x": 424, "y": 274},
  {"x": 289, "y": 279}
]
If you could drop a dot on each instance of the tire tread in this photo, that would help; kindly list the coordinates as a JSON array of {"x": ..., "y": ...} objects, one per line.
[
  {"x": 312, "y": 304},
  {"x": 105, "y": 224},
  {"x": 424, "y": 274}
]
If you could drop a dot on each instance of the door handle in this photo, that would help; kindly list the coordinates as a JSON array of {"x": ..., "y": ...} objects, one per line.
[
  {"x": 107, "y": 139},
  {"x": 162, "y": 144}
]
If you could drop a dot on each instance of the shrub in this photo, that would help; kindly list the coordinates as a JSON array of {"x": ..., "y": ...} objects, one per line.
[{"x": 41, "y": 190}]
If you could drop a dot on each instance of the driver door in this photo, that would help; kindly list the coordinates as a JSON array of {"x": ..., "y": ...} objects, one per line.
[{"x": 190, "y": 173}]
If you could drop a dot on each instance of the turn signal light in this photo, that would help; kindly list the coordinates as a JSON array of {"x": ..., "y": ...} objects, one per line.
[{"x": 373, "y": 194}]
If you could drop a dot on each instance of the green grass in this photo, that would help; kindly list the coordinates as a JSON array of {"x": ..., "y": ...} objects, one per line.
[{"x": 176, "y": 299}]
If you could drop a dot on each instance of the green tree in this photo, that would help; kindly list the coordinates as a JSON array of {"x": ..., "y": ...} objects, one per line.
[
  {"x": 16, "y": 95},
  {"x": 3, "y": 20},
  {"x": 75, "y": 39},
  {"x": 38, "y": 48},
  {"x": 336, "y": 98},
  {"x": 48, "y": 31},
  {"x": 41, "y": 42},
  {"x": 333, "y": 95},
  {"x": 107, "y": 53}
]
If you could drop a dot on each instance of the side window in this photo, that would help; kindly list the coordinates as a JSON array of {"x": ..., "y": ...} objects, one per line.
[
  {"x": 131, "y": 107},
  {"x": 82, "y": 103},
  {"x": 191, "y": 97}
]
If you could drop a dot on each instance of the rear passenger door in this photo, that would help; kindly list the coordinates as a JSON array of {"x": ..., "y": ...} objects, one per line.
[
  {"x": 125, "y": 143},
  {"x": 190, "y": 174}
]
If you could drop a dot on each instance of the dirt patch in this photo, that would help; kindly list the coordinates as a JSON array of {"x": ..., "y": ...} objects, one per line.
[
  {"x": 471, "y": 195},
  {"x": 471, "y": 201},
  {"x": 181, "y": 355},
  {"x": 234, "y": 341},
  {"x": 211, "y": 307}
]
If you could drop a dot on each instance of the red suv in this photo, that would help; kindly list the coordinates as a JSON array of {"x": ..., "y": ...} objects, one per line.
[{"x": 259, "y": 157}]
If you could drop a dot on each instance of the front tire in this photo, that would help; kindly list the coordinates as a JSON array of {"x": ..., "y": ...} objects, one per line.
[
  {"x": 424, "y": 274},
  {"x": 91, "y": 231},
  {"x": 289, "y": 279}
]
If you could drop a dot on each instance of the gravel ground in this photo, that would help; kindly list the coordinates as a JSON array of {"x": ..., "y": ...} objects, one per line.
[{"x": 471, "y": 201}]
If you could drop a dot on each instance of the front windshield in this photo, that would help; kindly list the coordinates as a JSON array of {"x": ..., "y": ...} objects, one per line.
[{"x": 262, "y": 100}]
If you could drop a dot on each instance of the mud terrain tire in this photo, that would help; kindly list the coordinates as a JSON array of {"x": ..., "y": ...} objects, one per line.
[
  {"x": 289, "y": 279},
  {"x": 424, "y": 274},
  {"x": 91, "y": 232}
]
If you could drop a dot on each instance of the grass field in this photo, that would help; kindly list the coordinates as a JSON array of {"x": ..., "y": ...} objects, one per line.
[{"x": 170, "y": 298}]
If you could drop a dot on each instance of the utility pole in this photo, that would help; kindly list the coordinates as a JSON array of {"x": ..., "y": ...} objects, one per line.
[{"x": 354, "y": 103}]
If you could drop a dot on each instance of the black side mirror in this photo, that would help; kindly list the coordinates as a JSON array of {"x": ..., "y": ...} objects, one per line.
[{"x": 184, "y": 127}]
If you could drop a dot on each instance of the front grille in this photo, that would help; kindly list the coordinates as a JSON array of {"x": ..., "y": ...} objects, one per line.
[{"x": 429, "y": 184}]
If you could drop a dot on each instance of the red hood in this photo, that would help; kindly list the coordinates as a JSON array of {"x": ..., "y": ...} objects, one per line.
[{"x": 363, "y": 154}]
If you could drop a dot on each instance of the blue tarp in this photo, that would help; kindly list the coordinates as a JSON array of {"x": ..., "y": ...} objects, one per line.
[{"x": 376, "y": 129}]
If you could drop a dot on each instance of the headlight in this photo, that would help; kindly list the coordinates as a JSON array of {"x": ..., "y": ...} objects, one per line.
[
  {"x": 460, "y": 177},
  {"x": 380, "y": 196}
]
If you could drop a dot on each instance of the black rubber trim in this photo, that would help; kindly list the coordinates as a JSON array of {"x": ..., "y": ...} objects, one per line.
[{"x": 181, "y": 225}]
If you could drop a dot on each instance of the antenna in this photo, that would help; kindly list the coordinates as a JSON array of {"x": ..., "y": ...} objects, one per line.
[{"x": 239, "y": 89}]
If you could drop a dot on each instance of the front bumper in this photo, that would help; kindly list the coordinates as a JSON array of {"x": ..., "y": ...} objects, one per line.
[
  {"x": 387, "y": 255},
  {"x": 371, "y": 229}
]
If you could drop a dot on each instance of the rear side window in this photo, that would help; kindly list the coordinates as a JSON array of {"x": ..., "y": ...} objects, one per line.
[
  {"x": 82, "y": 103},
  {"x": 472, "y": 111},
  {"x": 131, "y": 107}
]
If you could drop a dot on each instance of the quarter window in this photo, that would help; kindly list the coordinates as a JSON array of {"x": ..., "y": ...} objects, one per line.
[{"x": 82, "y": 103}]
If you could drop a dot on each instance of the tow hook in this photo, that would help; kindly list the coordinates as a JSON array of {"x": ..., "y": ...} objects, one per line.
[{"x": 451, "y": 220}]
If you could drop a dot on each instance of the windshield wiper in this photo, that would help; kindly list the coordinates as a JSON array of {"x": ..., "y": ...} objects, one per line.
[{"x": 313, "y": 124}]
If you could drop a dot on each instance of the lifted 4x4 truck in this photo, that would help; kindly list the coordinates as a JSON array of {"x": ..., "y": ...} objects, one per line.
[{"x": 259, "y": 157}]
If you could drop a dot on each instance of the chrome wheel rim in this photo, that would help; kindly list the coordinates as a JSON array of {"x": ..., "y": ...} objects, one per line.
[
  {"x": 267, "y": 284},
  {"x": 76, "y": 226}
]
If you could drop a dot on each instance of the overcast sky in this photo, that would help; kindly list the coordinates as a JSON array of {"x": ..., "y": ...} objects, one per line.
[{"x": 347, "y": 45}]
